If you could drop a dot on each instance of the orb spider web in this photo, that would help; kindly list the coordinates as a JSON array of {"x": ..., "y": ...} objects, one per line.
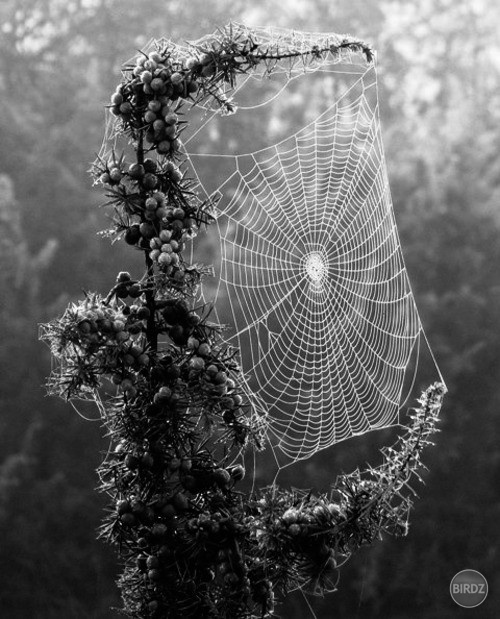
[{"x": 311, "y": 268}]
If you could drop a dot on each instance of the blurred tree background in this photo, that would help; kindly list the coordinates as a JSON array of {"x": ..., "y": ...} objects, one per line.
[{"x": 439, "y": 75}]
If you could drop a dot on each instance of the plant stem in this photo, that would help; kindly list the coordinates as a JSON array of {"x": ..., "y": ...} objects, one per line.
[{"x": 151, "y": 331}]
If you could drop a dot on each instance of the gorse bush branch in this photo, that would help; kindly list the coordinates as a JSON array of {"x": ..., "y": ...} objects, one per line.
[{"x": 173, "y": 397}]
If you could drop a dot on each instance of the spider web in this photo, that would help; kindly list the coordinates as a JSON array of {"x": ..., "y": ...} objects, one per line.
[{"x": 312, "y": 270}]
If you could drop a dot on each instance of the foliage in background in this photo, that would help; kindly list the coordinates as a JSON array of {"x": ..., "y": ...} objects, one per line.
[{"x": 441, "y": 145}]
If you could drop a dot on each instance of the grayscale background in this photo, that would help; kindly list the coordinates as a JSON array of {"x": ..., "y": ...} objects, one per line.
[{"x": 439, "y": 80}]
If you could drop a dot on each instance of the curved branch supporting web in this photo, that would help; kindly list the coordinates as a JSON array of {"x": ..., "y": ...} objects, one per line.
[{"x": 312, "y": 268}]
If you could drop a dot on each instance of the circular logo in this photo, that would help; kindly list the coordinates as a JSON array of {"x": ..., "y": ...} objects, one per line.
[{"x": 468, "y": 588}]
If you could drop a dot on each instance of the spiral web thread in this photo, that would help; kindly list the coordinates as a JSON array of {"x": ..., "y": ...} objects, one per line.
[{"x": 311, "y": 266}]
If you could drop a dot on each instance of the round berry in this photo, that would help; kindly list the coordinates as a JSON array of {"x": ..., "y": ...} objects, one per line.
[
  {"x": 192, "y": 63},
  {"x": 205, "y": 59},
  {"x": 193, "y": 343},
  {"x": 179, "y": 213},
  {"x": 135, "y": 291},
  {"x": 147, "y": 230},
  {"x": 163, "y": 395},
  {"x": 149, "y": 117},
  {"x": 171, "y": 118},
  {"x": 174, "y": 464},
  {"x": 150, "y": 64},
  {"x": 220, "y": 378},
  {"x": 117, "y": 98},
  {"x": 154, "y": 575},
  {"x": 143, "y": 313},
  {"x": 128, "y": 519},
  {"x": 180, "y": 502},
  {"x": 123, "y": 506},
  {"x": 238, "y": 472},
  {"x": 149, "y": 181},
  {"x": 165, "y": 236},
  {"x": 208, "y": 70},
  {"x": 115, "y": 175},
  {"x": 192, "y": 86},
  {"x": 136, "y": 170},
  {"x": 131, "y": 462},
  {"x": 163, "y": 147},
  {"x": 164, "y": 259},
  {"x": 197, "y": 363},
  {"x": 157, "y": 84},
  {"x": 156, "y": 57},
  {"x": 153, "y": 562},
  {"x": 221, "y": 477},
  {"x": 154, "y": 106},
  {"x": 126, "y": 108},
  {"x": 176, "y": 78},
  {"x": 204, "y": 350},
  {"x": 123, "y": 276}
]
